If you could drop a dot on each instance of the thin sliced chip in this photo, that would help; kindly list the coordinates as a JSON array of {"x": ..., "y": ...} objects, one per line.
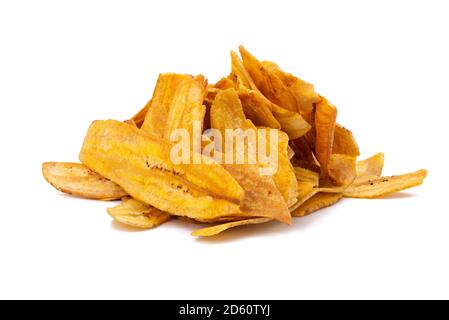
[
  {"x": 259, "y": 113},
  {"x": 382, "y": 186},
  {"x": 344, "y": 142},
  {"x": 267, "y": 82},
  {"x": 325, "y": 118},
  {"x": 291, "y": 122},
  {"x": 239, "y": 74},
  {"x": 370, "y": 168},
  {"x": 138, "y": 214},
  {"x": 141, "y": 165},
  {"x": 303, "y": 92},
  {"x": 78, "y": 180},
  {"x": 139, "y": 118},
  {"x": 262, "y": 198},
  {"x": 306, "y": 175},
  {"x": 317, "y": 202},
  {"x": 342, "y": 169},
  {"x": 176, "y": 104},
  {"x": 215, "y": 230},
  {"x": 227, "y": 113}
]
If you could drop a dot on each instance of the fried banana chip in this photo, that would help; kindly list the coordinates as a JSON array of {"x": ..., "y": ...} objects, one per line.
[
  {"x": 342, "y": 169},
  {"x": 262, "y": 198},
  {"x": 177, "y": 102},
  {"x": 227, "y": 113},
  {"x": 317, "y": 202},
  {"x": 239, "y": 74},
  {"x": 291, "y": 122},
  {"x": 303, "y": 92},
  {"x": 258, "y": 112},
  {"x": 139, "y": 118},
  {"x": 141, "y": 165},
  {"x": 215, "y": 230},
  {"x": 344, "y": 142},
  {"x": 306, "y": 175},
  {"x": 267, "y": 82},
  {"x": 138, "y": 214},
  {"x": 325, "y": 119},
  {"x": 370, "y": 168},
  {"x": 78, "y": 180},
  {"x": 382, "y": 186}
]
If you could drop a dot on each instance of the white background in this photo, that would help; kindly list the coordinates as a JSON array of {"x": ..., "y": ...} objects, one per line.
[{"x": 66, "y": 63}]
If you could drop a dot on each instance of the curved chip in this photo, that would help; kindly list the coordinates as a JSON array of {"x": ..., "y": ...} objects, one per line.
[
  {"x": 342, "y": 169},
  {"x": 78, "y": 180},
  {"x": 303, "y": 92},
  {"x": 317, "y": 202},
  {"x": 141, "y": 165},
  {"x": 382, "y": 186},
  {"x": 344, "y": 142},
  {"x": 215, "y": 230},
  {"x": 371, "y": 167},
  {"x": 138, "y": 214},
  {"x": 267, "y": 82},
  {"x": 325, "y": 119}
]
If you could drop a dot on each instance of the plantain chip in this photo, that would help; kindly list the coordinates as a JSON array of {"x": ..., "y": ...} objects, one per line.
[
  {"x": 227, "y": 113},
  {"x": 177, "y": 102},
  {"x": 370, "y": 168},
  {"x": 303, "y": 92},
  {"x": 78, "y": 180},
  {"x": 140, "y": 164},
  {"x": 342, "y": 169},
  {"x": 139, "y": 118},
  {"x": 319, "y": 201},
  {"x": 382, "y": 186},
  {"x": 325, "y": 118},
  {"x": 262, "y": 198},
  {"x": 344, "y": 142},
  {"x": 138, "y": 214},
  {"x": 291, "y": 122},
  {"x": 239, "y": 74},
  {"x": 306, "y": 175},
  {"x": 267, "y": 82},
  {"x": 215, "y": 230},
  {"x": 258, "y": 112}
]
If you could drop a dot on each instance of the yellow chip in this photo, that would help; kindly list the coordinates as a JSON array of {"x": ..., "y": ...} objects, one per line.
[
  {"x": 138, "y": 214},
  {"x": 382, "y": 186},
  {"x": 78, "y": 180},
  {"x": 215, "y": 230},
  {"x": 317, "y": 202}
]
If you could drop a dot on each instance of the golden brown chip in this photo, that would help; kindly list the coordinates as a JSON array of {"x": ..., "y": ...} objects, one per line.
[
  {"x": 138, "y": 214},
  {"x": 325, "y": 118},
  {"x": 306, "y": 175},
  {"x": 215, "y": 230},
  {"x": 141, "y": 165},
  {"x": 139, "y": 118},
  {"x": 255, "y": 110},
  {"x": 262, "y": 198},
  {"x": 239, "y": 74},
  {"x": 177, "y": 102},
  {"x": 317, "y": 202},
  {"x": 382, "y": 186},
  {"x": 370, "y": 168},
  {"x": 344, "y": 142},
  {"x": 303, "y": 92},
  {"x": 227, "y": 113},
  {"x": 78, "y": 180},
  {"x": 342, "y": 169},
  {"x": 268, "y": 83},
  {"x": 291, "y": 122}
]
